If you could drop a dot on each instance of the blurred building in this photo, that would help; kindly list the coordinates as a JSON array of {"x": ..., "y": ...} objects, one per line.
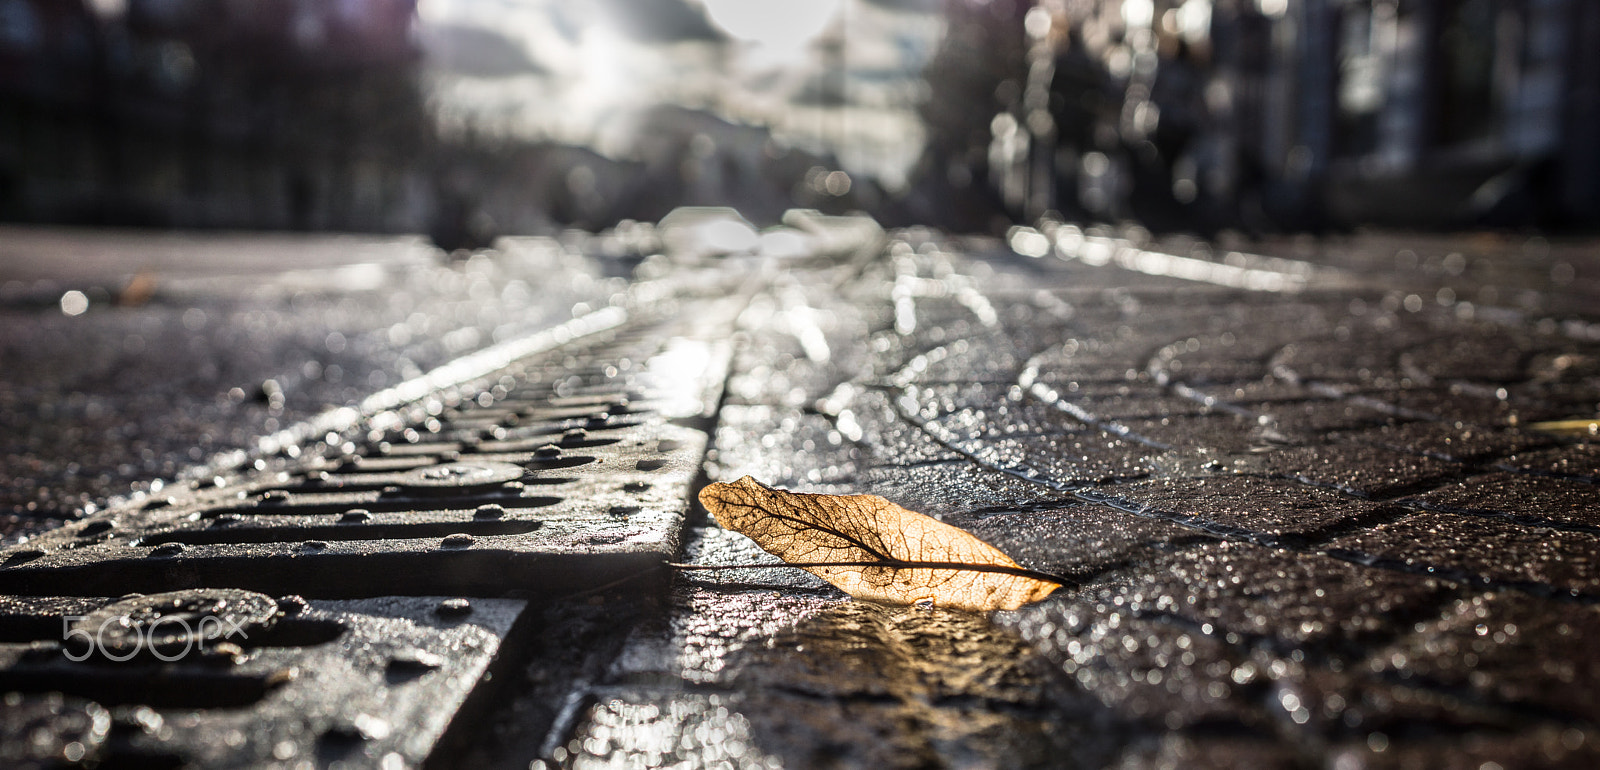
[
  {"x": 212, "y": 113},
  {"x": 965, "y": 179},
  {"x": 1275, "y": 114},
  {"x": 315, "y": 114}
]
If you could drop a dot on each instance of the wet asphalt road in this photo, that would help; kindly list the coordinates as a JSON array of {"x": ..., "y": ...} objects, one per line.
[
  {"x": 186, "y": 346},
  {"x": 1325, "y": 510}
]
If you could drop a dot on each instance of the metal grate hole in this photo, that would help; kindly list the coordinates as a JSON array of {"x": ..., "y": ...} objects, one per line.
[
  {"x": 191, "y": 687},
  {"x": 557, "y": 463},
  {"x": 377, "y": 504},
  {"x": 245, "y": 533}
]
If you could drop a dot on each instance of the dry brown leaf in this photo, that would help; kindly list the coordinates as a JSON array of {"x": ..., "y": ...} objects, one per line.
[{"x": 876, "y": 550}]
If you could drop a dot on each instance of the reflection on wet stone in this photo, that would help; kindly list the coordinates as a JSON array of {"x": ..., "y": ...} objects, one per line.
[
  {"x": 831, "y": 680},
  {"x": 1283, "y": 523}
]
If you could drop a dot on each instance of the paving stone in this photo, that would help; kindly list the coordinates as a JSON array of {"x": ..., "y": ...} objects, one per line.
[
  {"x": 973, "y": 357},
  {"x": 1360, "y": 470},
  {"x": 1538, "y": 401},
  {"x": 779, "y": 372},
  {"x": 1266, "y": 506},
  {"x": 1288, "y": 600},
  {"x": 713, "y": 545},
  {"x": 1474, "y": 354},
  {"x": 940, "y": 399},
  {"x": 705, "y": 639},
  {"x": 1168, "y": 675},
  {"x": 1564, "y": 363},
  {"x": 1021, "y": 417},
  {"x": 1208, "y": 372},
  {"x": 1509, "y": 649},
  {"x": 1368, "y": 359},
  {"x": 1523, "y": 498},
  {"x": 1301, "y": 610},
  {"x": 1311, "y": 421},
  {"x": 870, "y": 419},
  {"x": 1182, "y": 650},
  {"x": 1051, "y": 410},
  {"x": 1073, "y": 539},
  {"x": 909, "y": 653},
  {"x": 1579, "y": 461},
  {"x": 946, "y": 489},
  {"x": 1324, "y": 708},
  {"x": 1551, "y": 746},
  {"x": 1087, "y": 359},
  {"x": 1179, "y": 751},
  {"x": 974, "y": 410},
  {"x": 1449, "y": 404},
  {"x": 1221, "y": 434},
  {"x": 1484, "y": 550},
  {"x": 638, "y": 727},
  {"x": 783, "y": 382},
  {"x": 1124, "y": 402},
  {"x": 1237, "y": 354},
  {"x": 781, "y": 446},
  {"x": 1453, "y": 442},
  {"x": 1260, "y": 390},
  {"x": 911, "y": 685},
  {"x": 1064, "y": 409},
  {"x": 1062, "y": 461}
]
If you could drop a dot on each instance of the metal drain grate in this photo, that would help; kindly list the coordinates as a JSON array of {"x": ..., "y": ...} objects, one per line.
[
  {"x": 566, "y": 474},
  {"x": 551, "y": 520},
  {"x": 373, "y": 682},
  {"x": 562, "y": 470}
]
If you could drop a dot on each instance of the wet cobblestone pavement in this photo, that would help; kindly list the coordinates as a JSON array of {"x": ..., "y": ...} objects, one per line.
[
  {"x": 1316, "y": 527},
  {"x": 1319, "y": 512}
]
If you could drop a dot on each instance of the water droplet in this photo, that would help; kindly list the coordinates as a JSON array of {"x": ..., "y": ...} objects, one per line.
[{"x": 292, "y": 605}]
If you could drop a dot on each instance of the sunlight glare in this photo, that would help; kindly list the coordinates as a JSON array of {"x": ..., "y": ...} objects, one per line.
[{"x": 784, "y": 27}]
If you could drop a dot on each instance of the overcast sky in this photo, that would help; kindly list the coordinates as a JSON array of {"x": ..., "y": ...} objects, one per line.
[{"x": 577, "y": 72}]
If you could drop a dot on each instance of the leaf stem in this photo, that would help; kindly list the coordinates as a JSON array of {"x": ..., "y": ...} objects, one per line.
[{"x": 891, "y": 564}]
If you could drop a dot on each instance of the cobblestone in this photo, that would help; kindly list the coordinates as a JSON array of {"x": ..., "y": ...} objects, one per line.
[
  {"x": 1301, "y": 524},
  {"x": 1531, "y": 500},
  {"x": 1577, "y": 461},
  {"x": 1268, "y": 506},
  {"x": 1475, "y": 549}
]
